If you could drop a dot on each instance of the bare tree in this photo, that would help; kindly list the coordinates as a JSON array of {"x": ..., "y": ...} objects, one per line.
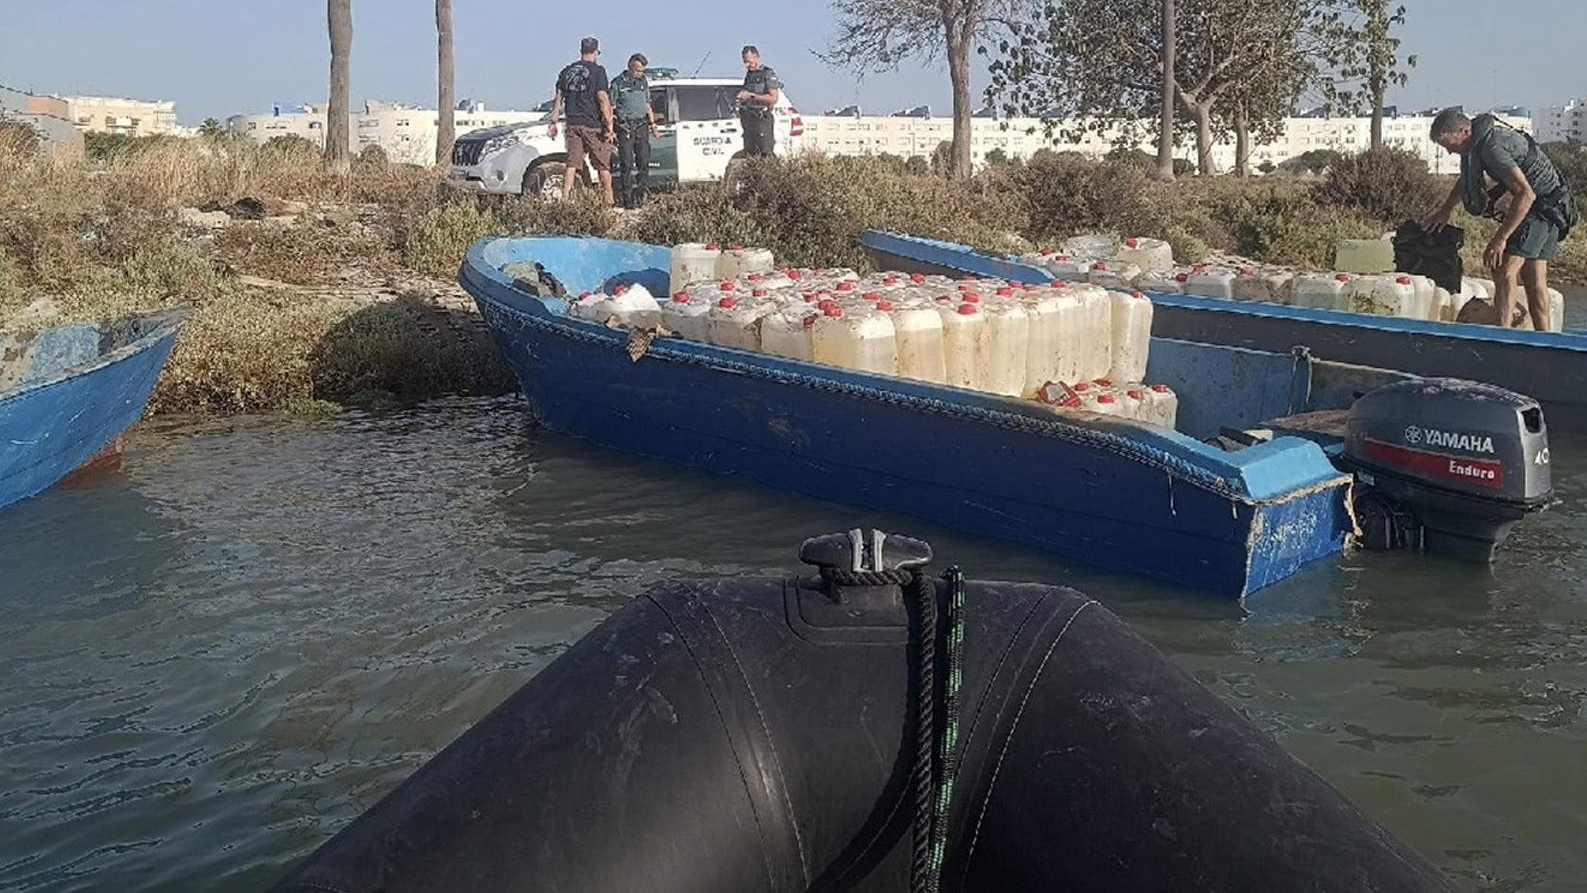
[
  {"x": 446, "y": 103},
  {"x": 1165, "y": 131},
  {"x": 876, "y": 35},
  {"x": 338, "y": 155}
]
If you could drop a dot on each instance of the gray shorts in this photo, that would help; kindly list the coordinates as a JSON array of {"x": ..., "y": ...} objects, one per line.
[{"x": 1534, "y": 239}]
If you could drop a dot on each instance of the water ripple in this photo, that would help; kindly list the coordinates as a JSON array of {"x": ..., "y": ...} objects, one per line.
[{"x": 219, "y": 656}]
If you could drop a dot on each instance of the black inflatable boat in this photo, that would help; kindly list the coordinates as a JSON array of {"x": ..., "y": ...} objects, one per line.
[{"x": 870, "y": 729}]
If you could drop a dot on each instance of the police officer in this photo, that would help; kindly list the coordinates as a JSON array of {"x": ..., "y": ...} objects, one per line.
[
  {"x": 755, "y": 102},
  {"x": 636, "y": 124}
]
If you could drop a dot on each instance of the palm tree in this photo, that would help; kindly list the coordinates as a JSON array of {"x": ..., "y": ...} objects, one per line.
[
  {"x": 447, "y": 131},
  {"x": 337, "y": 151}
]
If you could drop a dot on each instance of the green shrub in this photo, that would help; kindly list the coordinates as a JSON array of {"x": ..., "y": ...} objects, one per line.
[
  {"x": 440, "y": 238},
  {"x": 586, "y": 215},
  {"x": 1313, "y": 162},
  {"x": 371, "y": 156},
  {"x": 290, "y": 145},
  {"x": 1386, "y": 185},
  {"x": 175, "y": 272},
  {"x": 1281, "y": 226},
  {"x": 1066, "y": 193},
  {"x": 303, "y": 253},
  {"x": 405, "y": 348},
  {"x": 1571, "y": 161}
]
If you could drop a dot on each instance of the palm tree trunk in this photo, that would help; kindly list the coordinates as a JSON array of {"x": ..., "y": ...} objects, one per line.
[
  {"x": 446, "y": 103},
  {"x": 1165, "y": 136},
  {"x": 337, "y": 152}
]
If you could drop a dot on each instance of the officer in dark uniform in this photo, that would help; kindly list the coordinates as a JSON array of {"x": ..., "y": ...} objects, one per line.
[{"x": 761, "y": 91}]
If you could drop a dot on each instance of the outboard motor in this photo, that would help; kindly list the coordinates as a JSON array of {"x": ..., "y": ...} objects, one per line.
[
  {"x": 1446, "y": 465},
  {"x": 870, "y": 730}
]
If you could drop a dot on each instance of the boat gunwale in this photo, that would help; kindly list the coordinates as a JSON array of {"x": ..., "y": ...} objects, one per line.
[
  {"x": 168, "y": 323},
  {"x": 482, "y": 279}
]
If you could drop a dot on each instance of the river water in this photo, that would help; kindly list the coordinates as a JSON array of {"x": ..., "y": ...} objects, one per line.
[{"x": 217, "y": 656}]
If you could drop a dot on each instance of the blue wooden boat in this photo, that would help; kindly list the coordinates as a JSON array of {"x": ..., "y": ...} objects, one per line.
[
  {"x": 68, "y": 393},
  {"x": 1550, "y": 366},
  {"x": 1109, "y": 493}
]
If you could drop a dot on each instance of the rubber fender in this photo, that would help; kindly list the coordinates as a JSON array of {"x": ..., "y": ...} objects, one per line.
[{"x": 757, "y": 735}]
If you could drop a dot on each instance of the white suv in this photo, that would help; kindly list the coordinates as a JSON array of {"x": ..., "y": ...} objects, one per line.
[{"x": 700, "y": 135}]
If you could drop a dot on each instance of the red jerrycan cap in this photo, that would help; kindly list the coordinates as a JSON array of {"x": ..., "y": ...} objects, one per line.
[
  {"x": 1182, "y": 277},
  {"x": 1106, "y": 398},
  {"x": 1132, "y": 242},
  {"x": 832, "y": 310},
  {"x": 968, "y": 309},
  {"x": 1342, "y": 277},
  {"x": 681, "y": 297},
  {"x": 1160, "y": 388},
  {"x": 713, "y": 246},
  {"x": 729, "y": 285},
  {"x": 727, "y": 302},
  {"x": 885, "y": 306},
  {"x": 1404, "y": 280},
  {"x": 916, "y": 278},
  {"x": 845, "y": 286}
]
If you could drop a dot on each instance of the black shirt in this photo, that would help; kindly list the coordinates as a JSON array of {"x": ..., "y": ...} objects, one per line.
[
  {"x": 579, "y": 83},
  {"x": 760, "y": 81}
]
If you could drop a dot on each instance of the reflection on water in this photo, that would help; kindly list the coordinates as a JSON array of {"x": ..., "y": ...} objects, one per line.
[{"x": 220, "y": 655}]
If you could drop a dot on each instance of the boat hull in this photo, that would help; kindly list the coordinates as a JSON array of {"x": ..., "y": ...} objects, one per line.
[
  {"x": 1110, "y": 496},
  {"x": 66, "y": 420}
]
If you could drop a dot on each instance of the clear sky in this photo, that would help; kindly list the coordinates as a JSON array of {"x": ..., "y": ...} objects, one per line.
[{"x": 222, "y": 57}]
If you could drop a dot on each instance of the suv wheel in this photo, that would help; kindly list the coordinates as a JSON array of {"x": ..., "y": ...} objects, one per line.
[{"x": 544, "y": 181}]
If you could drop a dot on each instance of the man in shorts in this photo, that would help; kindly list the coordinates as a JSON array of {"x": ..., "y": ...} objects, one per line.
[
  {"x": 1539, "y": 214},
  {"x": 582, "y": 88}
]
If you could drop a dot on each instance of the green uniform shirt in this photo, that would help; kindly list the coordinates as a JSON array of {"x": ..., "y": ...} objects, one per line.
[
  {"x": 760, "y": 81},
  {"x": 1505, "y": 149},
  {"x": 630, "y": 97}
]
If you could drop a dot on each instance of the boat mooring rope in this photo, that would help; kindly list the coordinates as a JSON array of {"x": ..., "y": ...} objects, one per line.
[
  {"x": 948, "y": 734},
  {"x": 936, "y": 732}
]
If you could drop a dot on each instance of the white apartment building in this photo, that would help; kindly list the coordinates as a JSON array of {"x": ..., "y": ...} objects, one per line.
[
  {"x": 112, "y": 114},
  {"x": 1562, "y": 123},
  {"x": 406, "y": 133},
  {"x": 1022, "y": 137}
]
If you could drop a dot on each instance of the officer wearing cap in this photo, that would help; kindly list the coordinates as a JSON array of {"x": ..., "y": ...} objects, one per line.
[
  {"x": 636, "y": 124},
  {"x": 755, "y": 101}
]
